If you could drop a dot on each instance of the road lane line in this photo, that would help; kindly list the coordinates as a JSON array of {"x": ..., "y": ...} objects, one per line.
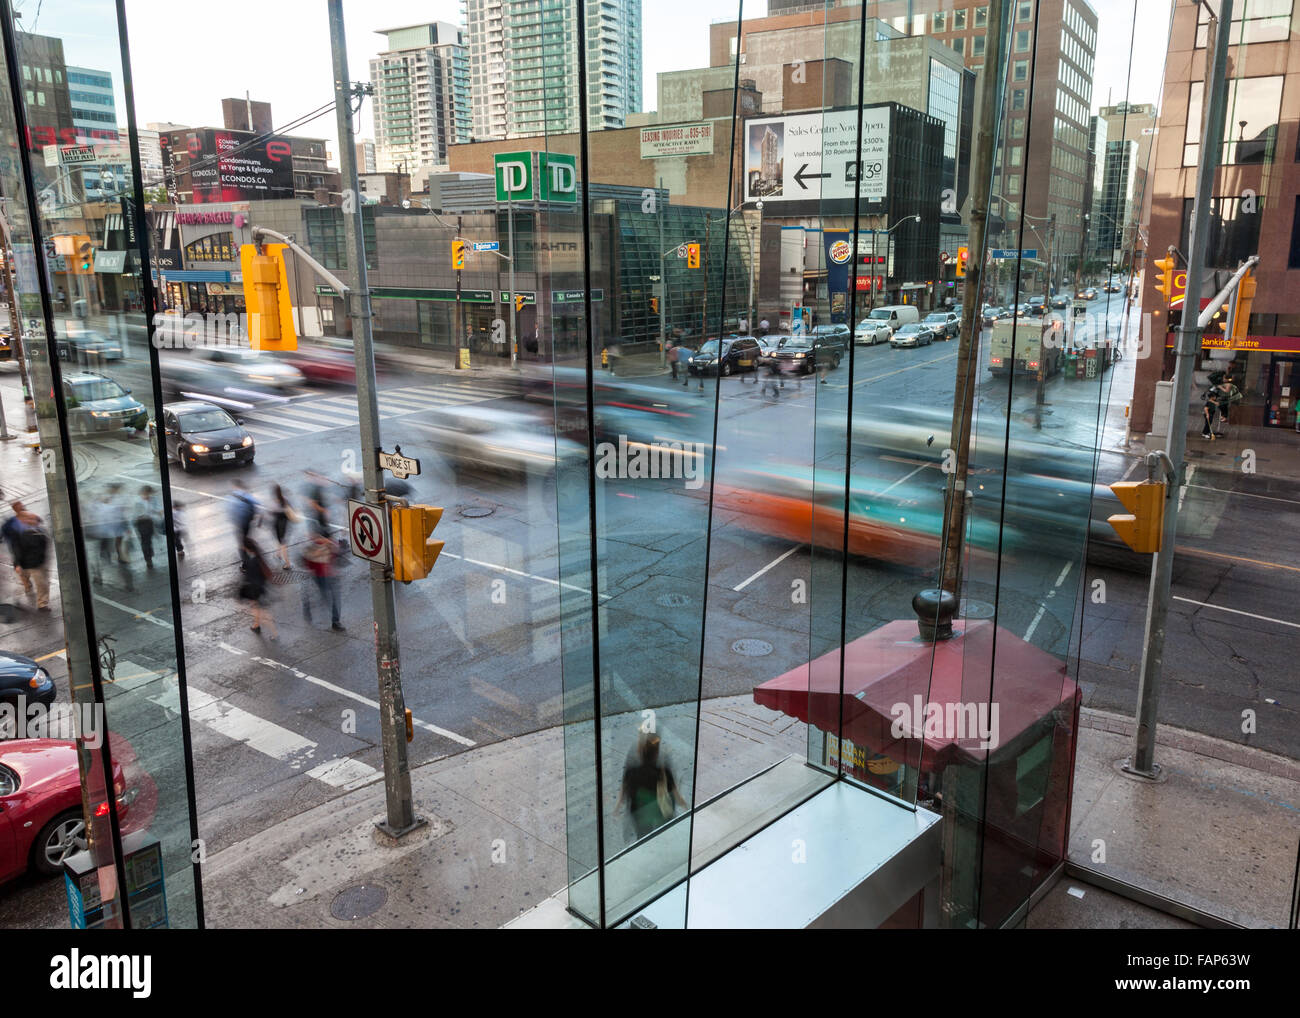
[
  {"x": 1237, "y": 611},
  {"x": 899, "y": 371},
  {"x": 63, "y": 653},
  {"x": 257, "y": 733},
  {"x": 774, "y": 562},
  {"x": 517, "y": 572},
  {"x": 133, "y": 612},
  {"x": 903, "y": 479},
  {"x": 1182, "y": 492},
  {"x": 1029, "y": 633},
  {"x": 1042, "y": 608},
  {"x": 1236, "y": 558}
]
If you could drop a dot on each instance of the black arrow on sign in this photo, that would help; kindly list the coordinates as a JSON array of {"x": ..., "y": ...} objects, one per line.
[{"x": 800, "y": 176}]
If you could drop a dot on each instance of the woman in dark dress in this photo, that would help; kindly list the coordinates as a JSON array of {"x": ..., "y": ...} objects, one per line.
[
  {"x": 253, "y": 587},
  {"x": 649, "y": 788},
  {"x": 283, "y": 515}
]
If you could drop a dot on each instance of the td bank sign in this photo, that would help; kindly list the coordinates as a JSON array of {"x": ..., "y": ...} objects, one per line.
[{"x": 547, "y": 175}]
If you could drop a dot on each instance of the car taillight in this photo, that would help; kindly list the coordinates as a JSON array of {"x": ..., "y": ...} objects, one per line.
[
  {"x": 1033, "y": 364},
  {"x": 995, "y": 360}
]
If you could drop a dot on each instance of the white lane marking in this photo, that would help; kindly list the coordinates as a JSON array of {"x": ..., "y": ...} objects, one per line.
[
  {"x": 345, "y": 773},
  {"x": 775, "y": 562},
  {"x": 315, "y": 418},
  {"x": 257, "y": 733},
  {"x": 1244, "y": 494},
  {"x": 1042, "y": 608},
  {"x": 1182, "y": 492},
  {"x": 1129, "y": 472},
  {"x": 133, "y": 612},
  {"x": 517, "y": 572},
  {"x": 264, "y": 431},
  {"x": 903, "y": 479},
  {"x": 1237, "y": 611}
]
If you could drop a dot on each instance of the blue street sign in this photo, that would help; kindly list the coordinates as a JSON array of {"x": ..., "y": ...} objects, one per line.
[
  {"x": 1000, "y": 253},
  {"x": 487, "y": 245}
]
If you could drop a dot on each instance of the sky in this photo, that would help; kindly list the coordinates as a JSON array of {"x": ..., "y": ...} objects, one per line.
[{"x": 185, "y": 60}]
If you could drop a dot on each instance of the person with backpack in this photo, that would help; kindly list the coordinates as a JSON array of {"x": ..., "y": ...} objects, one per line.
[
  {"x": 29, "y": 545},
  {"x": 244, "y": 511}
]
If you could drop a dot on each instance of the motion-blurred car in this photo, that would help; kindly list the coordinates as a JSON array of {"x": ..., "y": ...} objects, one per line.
[
  {"x": 41, "y": 817},
  {"x": 202, "y": 434},
  {"x": 325, "y": 367},
  {"x": 871, "y": 331},
  {"x": 945, "y": 324},
  {"x": 1060, "y": 302},
  {"x": 989, "y": 314},
  {"x": 97, "y": 403},
  {"x": 506, "y": 441},
  {"x": 833, "y": 335},
  {"x": 1113, "y": 287},
  {"x": 768, "y": 346},
  {"x": 912, "y": 334},
  {"x": 807, "y": 353},
  {"x": 88, "y": 347},
  {"x": 233, "y": 376}
]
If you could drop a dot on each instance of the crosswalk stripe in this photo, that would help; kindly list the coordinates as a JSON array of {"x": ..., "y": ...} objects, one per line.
[
  {"x": 260, "y": 430},
  {"x": 300, "y": 412},
  {"x": 345, "y": 773}
]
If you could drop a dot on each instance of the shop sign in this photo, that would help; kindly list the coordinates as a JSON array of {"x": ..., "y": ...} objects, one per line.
[
  {"x": 574, "y": 296},
  {"x": 677, "y": 140},
  {"x": 1249, "y": 344}
]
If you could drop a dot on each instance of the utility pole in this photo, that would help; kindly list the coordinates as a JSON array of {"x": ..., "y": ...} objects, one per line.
[
  {"x": 968, "y": 350},
  {"x": 1187, "y": 348},
  {"x": 663, "y": 288},
  {"x": 462, "y": 341},
  {"x": 510, "y": 228},
  {"x": 392, "y": 707},
  {"x": 16, "y": 344}
]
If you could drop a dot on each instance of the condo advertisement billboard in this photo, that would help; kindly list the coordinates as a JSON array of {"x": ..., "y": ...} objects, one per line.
[
  {"x": 797, "y": 162},
  {"x": 227, "y": 166}
]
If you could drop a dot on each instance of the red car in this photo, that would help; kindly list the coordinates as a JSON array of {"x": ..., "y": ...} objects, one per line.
[
  {"x": 332, "y": 367},
  {"x": 41, "y": 819}
]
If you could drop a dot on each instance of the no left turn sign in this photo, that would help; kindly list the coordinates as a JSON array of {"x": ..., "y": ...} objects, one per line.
[{"x": 368, "y": 529}]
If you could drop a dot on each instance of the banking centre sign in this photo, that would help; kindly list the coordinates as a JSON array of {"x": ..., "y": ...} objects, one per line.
[
  {"x": 811, "y": 158},
  {"x": 550, "y": 175}
]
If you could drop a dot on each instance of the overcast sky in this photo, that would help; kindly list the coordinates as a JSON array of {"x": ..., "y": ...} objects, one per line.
[{"x": 186, "y": 57}]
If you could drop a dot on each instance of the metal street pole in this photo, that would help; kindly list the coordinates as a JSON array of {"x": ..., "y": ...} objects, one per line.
[
  {"x": 968, "y": 350},
  {"x": 753, "y": 268},
  {"x": 1187, "y": 348},
  {"x": 16, "y": 343},
  {"x": 663, "y": 288},
  {"x": 510, "y": 227},
  {"x": 392, "y": 708}
]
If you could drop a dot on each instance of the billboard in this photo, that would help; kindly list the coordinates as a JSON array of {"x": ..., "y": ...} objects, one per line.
[
  {"x": 677, "y": 140},
  {"x": 226, "y": 166},
  {"x": 798, "y": 161}
]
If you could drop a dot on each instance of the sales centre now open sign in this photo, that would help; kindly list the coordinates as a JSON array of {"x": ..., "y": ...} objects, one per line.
[{"x": 806, "y": 159}]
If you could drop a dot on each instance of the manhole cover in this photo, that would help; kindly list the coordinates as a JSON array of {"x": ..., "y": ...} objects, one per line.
[
  {"x": 473, "y": 512},
  {"x": 969, "y": 609},
  {"x": 672, "y": 600},
  {"x": 358, "y": 902},
  {"x": 752, "y": 648}
]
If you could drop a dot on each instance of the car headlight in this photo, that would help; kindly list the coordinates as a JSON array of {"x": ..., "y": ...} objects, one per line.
[
  {"x": 799, "y": 355},
  {"x": 198, "y": 448},
  {"x": 99, "y": 413},
  {"x": 248, "y": 440},
  {"x": 40, "y": 680}
]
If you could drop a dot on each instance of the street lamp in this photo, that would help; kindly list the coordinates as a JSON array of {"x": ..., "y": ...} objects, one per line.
[{"x": 905, "y": 219}]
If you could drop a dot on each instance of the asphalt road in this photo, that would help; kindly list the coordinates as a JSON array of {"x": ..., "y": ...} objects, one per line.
[{"x": 279, "y": 726}]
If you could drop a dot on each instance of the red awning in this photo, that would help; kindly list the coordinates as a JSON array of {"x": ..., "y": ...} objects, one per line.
[{"x": 893, "y": 666}]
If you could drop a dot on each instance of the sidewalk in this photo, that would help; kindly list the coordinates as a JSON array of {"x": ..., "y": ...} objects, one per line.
[{"x": 1219, "y": 832}]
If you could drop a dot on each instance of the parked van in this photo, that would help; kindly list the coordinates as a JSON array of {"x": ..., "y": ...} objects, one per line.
[{"x": 895, "y": 315}]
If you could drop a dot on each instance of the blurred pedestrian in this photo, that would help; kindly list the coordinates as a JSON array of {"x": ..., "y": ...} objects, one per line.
[
  {"x": 282, "y": 514},
  {"x": 253, "y": 586},
  {"x": 244, "y": 511},
  {"x": 319, "y": 557},
  {"x": 317, "y": 503},
  {"x": 649, "y": 788},
  {"x": 178, "y": 528},
  {"x": 672, "y": 358},
  {"x": 148, "y": 516},
  {"x": 29, "y": 547},
  {"x": 108, "y": 528}
]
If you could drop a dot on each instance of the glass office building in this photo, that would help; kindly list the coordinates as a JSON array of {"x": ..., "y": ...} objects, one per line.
[{"x": 769, "y": 574}]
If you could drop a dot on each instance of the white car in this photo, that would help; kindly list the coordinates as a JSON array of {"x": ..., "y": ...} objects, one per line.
[
  {"x": 253, "y": 366},
  {"x": 872, "y": 331}
]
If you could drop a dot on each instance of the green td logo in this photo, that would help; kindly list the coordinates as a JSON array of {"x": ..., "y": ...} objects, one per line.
[{"x": 557, "y": 176}]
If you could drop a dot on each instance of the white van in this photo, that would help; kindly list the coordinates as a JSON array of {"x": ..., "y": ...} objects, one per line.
[{"x": 895, "y": 315}]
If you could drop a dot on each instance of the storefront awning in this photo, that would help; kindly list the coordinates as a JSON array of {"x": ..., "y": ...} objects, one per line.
[{"x": 892, "y": 673}]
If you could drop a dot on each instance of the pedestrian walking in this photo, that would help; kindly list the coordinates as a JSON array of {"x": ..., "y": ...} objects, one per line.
[
  {"x": 178, "y": 528},
  {"x": 673, "y": 354},
  {"x": 108, "y": 529},
  {"x": 148, "y": 517},
  {"x": 317, "y": 503},
  {"x": 282, "y": 514},
  {"x": 244, "y": 511},
  {"x": 320, "y": 559},
  {"x": 29, "y": 548},
  {"x": 256, "y": 576},
  {"x": 649, "y": 788}
]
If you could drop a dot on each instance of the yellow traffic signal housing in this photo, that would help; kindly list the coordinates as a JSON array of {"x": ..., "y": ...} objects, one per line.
[
  {"x": 1143, "y": 529},
  {"x": 266, "y": 297},
  {"x": 1165, "y": 278},
  {"x": 414, "y": 550},
  {"x": 1245, "y": 299},
  {"x": 457, "y": 254},
  {"x": 520, "y": 300},
  {"x": 692, "y": 256},
  {"x": 962, "y": 254}
]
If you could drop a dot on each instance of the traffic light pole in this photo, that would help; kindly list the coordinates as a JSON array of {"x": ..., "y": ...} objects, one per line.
[
  {"x": 1187, "y": 348},
  {"x": 401, "y": 817}
]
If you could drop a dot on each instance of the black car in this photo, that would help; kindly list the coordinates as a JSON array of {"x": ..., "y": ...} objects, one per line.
[
  {"x": 1060, "y": 302},
  {"x": 806, "y": 354},
  {"x": 725, "y": 356},
  {"x": 21, "y": 676},
  {"x": 202, "y": 434}
]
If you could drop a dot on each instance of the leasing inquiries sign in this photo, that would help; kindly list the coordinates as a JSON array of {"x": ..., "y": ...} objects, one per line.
[{"x": 677, "y": 140}]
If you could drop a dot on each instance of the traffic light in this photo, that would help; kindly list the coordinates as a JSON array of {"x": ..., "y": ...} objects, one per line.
[
  {"x": 414, "y": 550},
  {"x": 1165, "y": 278},
  {"x": 654, "y": 304},
  {"x": 1245, "y": 298},
  {"x": 692, "y": 256},
  {"x": 962, "y": 254},
  {"x": 266, "y": 297},
  {"x": 1143, "y": 529},
  {"x": 457, "y": 254},
  {"x": 520, "y": 300},
  {"x": 85, "y": 261}
]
